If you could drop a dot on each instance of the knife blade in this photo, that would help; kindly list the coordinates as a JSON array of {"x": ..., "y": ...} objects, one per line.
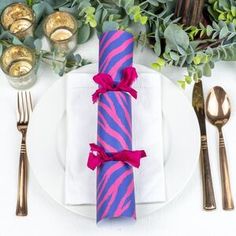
[{"x": 199, "y": 107}]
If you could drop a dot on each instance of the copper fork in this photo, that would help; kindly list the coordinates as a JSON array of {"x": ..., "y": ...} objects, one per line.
[{"x": 24, "y": 108}]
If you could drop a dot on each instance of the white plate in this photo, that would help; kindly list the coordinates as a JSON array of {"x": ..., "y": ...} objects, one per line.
[{"x": 46, "y": 142}]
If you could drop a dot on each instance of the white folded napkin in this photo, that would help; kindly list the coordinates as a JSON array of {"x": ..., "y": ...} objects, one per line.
[{"x": 80, "y": 181}]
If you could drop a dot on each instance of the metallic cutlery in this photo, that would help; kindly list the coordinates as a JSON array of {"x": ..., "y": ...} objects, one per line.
[
  {"x": 24, "y": 109},
  {"x": 218, "y": 113},
  {"x": 208, "y": 191}
]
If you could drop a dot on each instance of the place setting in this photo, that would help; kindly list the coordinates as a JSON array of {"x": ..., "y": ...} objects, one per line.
[
  {"x": 65, "y": 131},
  {"x": 113, "y": 139}
]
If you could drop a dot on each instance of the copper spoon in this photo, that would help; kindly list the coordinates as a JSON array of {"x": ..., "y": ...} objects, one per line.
[{"x": 218, "y": 113}]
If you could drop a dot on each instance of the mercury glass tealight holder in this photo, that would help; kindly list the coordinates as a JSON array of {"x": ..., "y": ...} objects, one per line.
[
  {"x": 19, "y": 19},
  {"x": 60, "y": 28},
  {"x": 20, "y": 66}
]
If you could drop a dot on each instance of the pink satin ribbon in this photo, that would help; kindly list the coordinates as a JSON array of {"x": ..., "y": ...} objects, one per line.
[
  {"x": 107, "y": 84},
  {"x": 97, "y": 157}
]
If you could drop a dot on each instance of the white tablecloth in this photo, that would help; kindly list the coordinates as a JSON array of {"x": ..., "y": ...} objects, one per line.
[{"x": 184, "y": 216}]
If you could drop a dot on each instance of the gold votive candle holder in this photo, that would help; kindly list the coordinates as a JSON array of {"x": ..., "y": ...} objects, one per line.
[
  {"x": 19, "y": 63},
  {"x": 60, "y": 29},
  {"x": 19, "y": 19}
]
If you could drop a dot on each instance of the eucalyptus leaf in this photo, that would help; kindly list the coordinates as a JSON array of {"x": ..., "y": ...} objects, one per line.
[
  {"x": 39, "y": 9},
  {"x": 16, "y": 41},
  {"x": 109, "y": 26},
  {"x": 206, "y": 70},
  {"x": 223, "y": 32},
  {"x": 174, "y": 56},
  {"x": 82, "y": 5},
  {"x": 126, "y": 4},
  {"x": 157, "y": 48},
  {"x": 154, "y": 2},
  {"x": 209, "y": 30},
  {"x": 71, "y": 10},
  {"x": 57, "y": 3},
  {"x": 83, "y": 34},
  {"x": 176, "y": 37}
]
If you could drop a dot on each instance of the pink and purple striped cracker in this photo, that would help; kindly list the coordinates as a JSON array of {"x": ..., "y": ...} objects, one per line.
[{"x": 115, "y": 181}]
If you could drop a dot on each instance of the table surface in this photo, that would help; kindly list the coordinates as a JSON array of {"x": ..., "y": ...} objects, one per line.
[{"x": 184, "y": 216}]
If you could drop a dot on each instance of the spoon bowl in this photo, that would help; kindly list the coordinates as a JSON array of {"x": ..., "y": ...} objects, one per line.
[
  {"x": 218, "y": 107},
  {"x": 218, "y": 112}
]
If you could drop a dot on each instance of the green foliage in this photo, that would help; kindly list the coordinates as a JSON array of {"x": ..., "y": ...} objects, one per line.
[
  {"x": 136, "y": 15},
  {"x": 223, "y": 10},
  {"x": 176, "y": 38},
  {"x": 90, "y": 17},
  {"x": 158, "y": 64},
  {"x": 197, "y": 48}
]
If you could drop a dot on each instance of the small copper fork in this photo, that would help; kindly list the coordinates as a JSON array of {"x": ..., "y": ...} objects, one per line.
[{"x": 24, "y": 108}]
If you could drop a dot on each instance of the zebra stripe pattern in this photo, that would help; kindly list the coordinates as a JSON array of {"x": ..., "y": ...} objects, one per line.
[{"x": 115, "y": 183}]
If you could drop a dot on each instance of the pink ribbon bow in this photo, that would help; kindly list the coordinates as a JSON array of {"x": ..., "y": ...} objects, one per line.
[
  {"x": 107, "y": 84},
  {"x": 97, "y": 156}
]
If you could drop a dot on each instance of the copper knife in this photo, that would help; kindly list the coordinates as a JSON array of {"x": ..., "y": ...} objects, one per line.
[{"x": 199, "y": 107}]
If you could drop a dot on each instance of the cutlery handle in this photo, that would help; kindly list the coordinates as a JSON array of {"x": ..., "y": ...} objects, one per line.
[
  {"x": 21, "y": 208},
  {"x": 225, "y": 179},
  {"x": 208, "y": 191}
]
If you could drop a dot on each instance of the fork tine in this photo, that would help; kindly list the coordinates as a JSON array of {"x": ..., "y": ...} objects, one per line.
[
  {"x": 26, "y": 107},
  {"x": 22, "y": 107},
  {"x": 18, "y": 107},
  {"x": 30, "y": 102}
]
